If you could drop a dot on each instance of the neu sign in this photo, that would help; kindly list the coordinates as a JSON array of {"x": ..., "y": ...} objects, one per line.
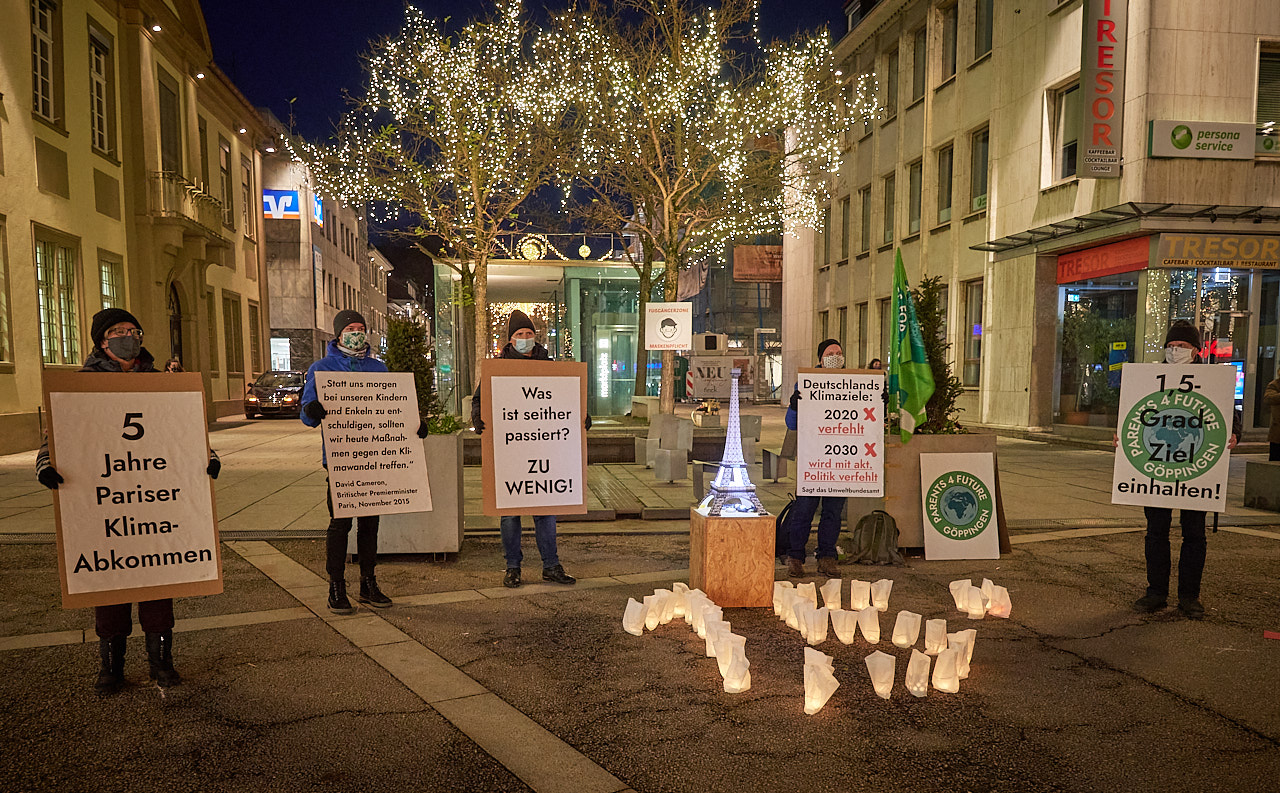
[{"x": 1102, "y": 86}]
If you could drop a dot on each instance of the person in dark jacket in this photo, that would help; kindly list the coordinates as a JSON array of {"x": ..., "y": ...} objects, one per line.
[
  {"x": 117, "y": 347},
  {"x": 800, "y": 520},
  {"x": 521, "y": 345},
  {"x": 347, "y": 352},
  {"x": 1272, "y": 398},
  {"x": 1181, "y": 346}
]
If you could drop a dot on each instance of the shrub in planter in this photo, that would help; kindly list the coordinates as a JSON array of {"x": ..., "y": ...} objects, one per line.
[{"x": 409, "y": 351}]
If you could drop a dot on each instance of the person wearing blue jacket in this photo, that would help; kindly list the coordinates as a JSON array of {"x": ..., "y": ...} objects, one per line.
[
  {"x": 800, "y": 521},
  {"x": 347, "y": 352}
]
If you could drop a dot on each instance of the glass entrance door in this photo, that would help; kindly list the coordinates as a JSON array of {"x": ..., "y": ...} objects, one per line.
[
  {"x": 1268, "y": 337},
  {"x": 1224, "y": 321}
]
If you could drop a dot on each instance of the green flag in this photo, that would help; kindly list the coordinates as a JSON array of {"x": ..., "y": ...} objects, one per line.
[{"x": 910, "y": 378}]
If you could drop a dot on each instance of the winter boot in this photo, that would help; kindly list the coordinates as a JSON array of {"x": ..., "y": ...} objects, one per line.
[
  {"x": 827, "y": 567},
  {"x": 556, "y": 574},
  {"x": 160, "y": 658},
  {"x": 111, "y": 675},
  {"x": 795, "y": 568},
  {"x": 369, "y": 593},
  {"x": 338, "y": 602}
]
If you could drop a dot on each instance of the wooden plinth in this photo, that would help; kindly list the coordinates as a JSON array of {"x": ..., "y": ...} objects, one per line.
[{"x": 731, "y": 558}]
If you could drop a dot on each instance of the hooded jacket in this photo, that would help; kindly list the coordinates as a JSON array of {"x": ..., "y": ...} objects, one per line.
[{"x": 335, "y": 360}]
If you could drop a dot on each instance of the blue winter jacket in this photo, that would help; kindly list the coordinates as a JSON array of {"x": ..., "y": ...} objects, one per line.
[{"x": 335, "y": 361}]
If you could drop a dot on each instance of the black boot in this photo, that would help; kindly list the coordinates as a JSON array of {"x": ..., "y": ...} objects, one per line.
[
  {"x": 111, "y": 675},
  {"x": 160, "y": 657},
  {"x": 338, "y": 602},
  {"x": 369, "y": 593},
  {"x": 557, "y": 574}
]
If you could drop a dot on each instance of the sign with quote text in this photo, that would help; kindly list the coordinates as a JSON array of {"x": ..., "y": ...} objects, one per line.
[
  {"x": 377, "y": 464},
  {"x": 840, "y": 432},
  {"x": 135, "y": 514},
  {"x": 535, "y": 441}
]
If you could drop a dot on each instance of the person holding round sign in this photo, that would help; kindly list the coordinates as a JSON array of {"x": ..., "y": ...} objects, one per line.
[
  {"x": 800, "y": 523},
  {"x": 117, "y": 347},
  {"x": 1181, "y": 346},
  {"x": 521, "y": 345},
  {"x": 348, "y": 351}
]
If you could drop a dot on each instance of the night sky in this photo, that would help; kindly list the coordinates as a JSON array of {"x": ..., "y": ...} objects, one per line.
[{"x": 278, "y": 50}]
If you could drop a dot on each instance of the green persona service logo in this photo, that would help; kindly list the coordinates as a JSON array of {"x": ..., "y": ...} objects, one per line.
[
  {"x": 1173, "y": 435},
  {"x": 959, "y": 506},
  {"x": 1180, "y": 137}
]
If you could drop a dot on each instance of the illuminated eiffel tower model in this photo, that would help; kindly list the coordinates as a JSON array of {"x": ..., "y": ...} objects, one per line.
[{"x": 731, "y": 491}]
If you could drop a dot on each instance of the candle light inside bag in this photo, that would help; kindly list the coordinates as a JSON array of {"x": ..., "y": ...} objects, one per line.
[{"x": 906, "y": 629}]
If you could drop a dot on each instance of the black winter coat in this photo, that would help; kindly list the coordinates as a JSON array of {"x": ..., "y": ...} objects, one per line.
[{"x": 539, "y": 353}]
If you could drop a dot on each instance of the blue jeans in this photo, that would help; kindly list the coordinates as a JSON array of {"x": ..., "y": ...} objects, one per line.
[
  {"x": 544, "y": 532},
  {"x": 801, "y": 520}
]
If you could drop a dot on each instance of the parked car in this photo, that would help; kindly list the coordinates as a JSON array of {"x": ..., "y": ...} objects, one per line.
[{"x": 274, "y": 393}]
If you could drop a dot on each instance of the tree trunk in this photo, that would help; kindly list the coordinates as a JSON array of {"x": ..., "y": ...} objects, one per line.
[
  {"x": 463, "y": 337},
  {"x": 642, "y": 355},
  {"x": 480, "y": 324},
  {"x": 667, "y": 391}
]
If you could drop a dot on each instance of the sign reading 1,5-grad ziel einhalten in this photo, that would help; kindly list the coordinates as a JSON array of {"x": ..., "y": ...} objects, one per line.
[
  {"x": 840, "y": 435},
  {"x": 1175, "y": 422},
  {"x": 135, "y": 513},
  {"x": 535, "y": 444},
  {"x": 959, "y": 506},
  {"x": 377, "y": 464}
]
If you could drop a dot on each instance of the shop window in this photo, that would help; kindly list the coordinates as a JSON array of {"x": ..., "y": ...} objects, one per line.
[
  {"x": 914, "y": 172},
  {"x": 1098, "y": 333},
  {"x": 948, "y": 25},
  {"x": 919, "y": 62},
  {"x": 1268, "y": 112},
  {"x": 862, "y": 334},
  {"x": 889, "y": 198},
  {"x": 978, "y": 145},
  {"x": 946, "y": 159},
  {"x": 844, "y": 228},
  {"x": 58, "y": 298},
  {"x": 972, "y": 365},
  {"x": 864, "y": 206},
  {"x": 982, "y": 27},
  {"x": 891, "y": 83},
  {"x": 111, "y": 274},
  {"x": 1066, "y": 130}
]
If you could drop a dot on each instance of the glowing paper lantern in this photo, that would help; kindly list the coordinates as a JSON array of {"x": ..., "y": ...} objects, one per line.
[
  {"x": 778, "y": 588},
  {"x": 633, "y": 618},
  {"x": 960, "y": 591},
  {"x": 708, "y": 613},
  {"x": 869, "y": 624},
  {"x": 845, "y": 624},
  {"x": 681, "y": 600},
  {"x": 880, "y": 666},
  {"x": 727, "y": 645},
  {"x": 944, "y": 671},
  {"x": 794, "y": 616},
  {"x": 859, "y": 595},
  {"x": 738, "y": 677},
  {"x": 819, "y": 680},
  {"x": 697, "y": 599},
  {"x": 962, "y": 642},
  {"x": 971, "y": 636},
  {"x": 653, "y": 611},
  {"x": 1000, "y": 605},
  {"x": 918, "y": 674},
  {"x": 986, "y": 588},
  {"x": 714, "y": 629},
  {"x": 809, "y": 592},
  {"x": 668, "y": 600},
  {"x": 831, "y": 593},
  {"x": 880, "y": 594},
  {"x": 974, "y": 605},
  {"x": 935, "y": 636},
  {"x": 815, "y": 622},
  {"x": 906, "y": 629}
]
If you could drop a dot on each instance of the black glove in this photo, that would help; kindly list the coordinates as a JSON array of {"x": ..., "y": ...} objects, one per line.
[
  {"x": 795, "y": 400},
  {"x": 479, "y": 426},
  {"x": 214, "y": 468},
  {"x": 587, "y": 423},
  {"x": 49, "y": 477},
  {"x": 315, "y": 411},
  {"x": 423, "y": 429}
]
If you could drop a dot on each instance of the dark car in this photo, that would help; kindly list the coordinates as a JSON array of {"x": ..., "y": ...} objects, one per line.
[{"x": 273, "y": 393}]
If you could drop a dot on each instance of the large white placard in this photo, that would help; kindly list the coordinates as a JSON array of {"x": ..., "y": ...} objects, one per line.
[
  {"x": 958, "y": 502},
  {"x": 840, "y": 433},
  {"x": 537, "y": 435},
  {"x": 136, "y": 509},
  {"x": 668, "y": 326},
  {"x": 1175, "y": 422},
  {"x": 377, "y": 465}
]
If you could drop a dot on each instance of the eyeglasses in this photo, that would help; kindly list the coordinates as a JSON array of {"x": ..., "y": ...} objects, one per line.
[{"x": 122, "y": 332}]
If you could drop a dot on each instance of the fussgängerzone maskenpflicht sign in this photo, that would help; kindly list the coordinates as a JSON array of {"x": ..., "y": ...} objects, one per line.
[
  {"x": 1175, "y": 422},
  {"x": 958, "y": 502}
]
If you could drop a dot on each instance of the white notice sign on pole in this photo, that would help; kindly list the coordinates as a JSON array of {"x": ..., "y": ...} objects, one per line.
[{"x": 668, "y": 326}]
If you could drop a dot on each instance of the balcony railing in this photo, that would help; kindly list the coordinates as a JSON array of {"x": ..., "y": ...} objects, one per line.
[{"x": 174, "y": 197}]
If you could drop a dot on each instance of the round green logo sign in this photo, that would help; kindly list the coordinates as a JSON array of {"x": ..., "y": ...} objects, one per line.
[
  {"x": 959, "y": 506},
  {"x": 1268, "y": 143},
  {"x": 1181, "y": 136},
  {"x": 1173, "y": 435}
]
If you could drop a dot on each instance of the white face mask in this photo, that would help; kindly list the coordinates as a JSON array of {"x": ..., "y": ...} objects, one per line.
[
  {"x": 1179, "y": 355},
  {"x": 523, "y": 346},
  {"x": 833, "y": 362}
]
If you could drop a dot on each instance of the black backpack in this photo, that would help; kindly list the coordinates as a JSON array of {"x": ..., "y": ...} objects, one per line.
[
  {"x": 875, "y": 539},
  {"x": 782, "y": 532}
]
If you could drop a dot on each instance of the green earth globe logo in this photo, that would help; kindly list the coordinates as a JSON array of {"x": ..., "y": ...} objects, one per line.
[
  {"x": 1176, "y": 442},
  {"x": 1181, "y": 136},
  {"x": 1268, "y": 143},
  {"x": 959, "y": 506}
]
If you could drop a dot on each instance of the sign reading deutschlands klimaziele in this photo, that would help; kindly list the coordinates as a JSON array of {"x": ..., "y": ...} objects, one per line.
[{"x": 1207, "y": 140}]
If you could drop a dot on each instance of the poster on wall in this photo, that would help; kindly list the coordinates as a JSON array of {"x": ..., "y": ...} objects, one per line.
[
  {"x": 958, "y": 501},
  {"x": 1175, "y": 422},
  {"x": 135, "y": 515},
  {"x": 377, "y": 464},
  {"x": 535, "y": 443},
  {"x": 668, "y": 326},
  {"x": 757, "y": 263},
  {"x": 840, "y": 435}
]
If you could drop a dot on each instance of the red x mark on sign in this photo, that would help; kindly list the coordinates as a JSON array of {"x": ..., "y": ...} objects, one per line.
[
  {"x": 871, "y": 449},
  {"x": 869, "y": 414}
]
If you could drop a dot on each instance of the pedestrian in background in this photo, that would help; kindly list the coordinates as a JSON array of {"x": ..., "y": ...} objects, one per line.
[
  {"x": 117, "y": 347},
  {"x": 1272, "y": 398},
  {"x": 521, "y": 345},
  {"x": 800, "y": 523},
  {"x": 875, "y": 364},
  {"x": 173, "y": 365},
  {"x": 348, "y": 351}
]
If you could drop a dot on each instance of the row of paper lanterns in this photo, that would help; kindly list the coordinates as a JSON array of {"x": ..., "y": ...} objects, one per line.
[{"x": 704, "y": 616}]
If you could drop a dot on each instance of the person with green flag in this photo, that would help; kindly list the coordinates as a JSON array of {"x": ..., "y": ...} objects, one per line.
[{"x": 910, "y": 379}]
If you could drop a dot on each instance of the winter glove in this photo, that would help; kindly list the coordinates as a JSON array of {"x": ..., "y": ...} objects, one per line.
[
  {"x": 315, "y": 411},
  {"x": 479, "y": 426},
  {"x": 423, "y": 429},
  {"x": 214, "y": 468},
  {"x": 587, "y": 423},
  {"x": 795, "y": 400},
  {"x": 49, "y": 477}
]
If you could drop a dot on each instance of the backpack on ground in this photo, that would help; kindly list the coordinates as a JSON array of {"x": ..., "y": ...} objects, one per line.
[
  {"x": 782, "y": 532},
  {"x": 875, "y": 539}
]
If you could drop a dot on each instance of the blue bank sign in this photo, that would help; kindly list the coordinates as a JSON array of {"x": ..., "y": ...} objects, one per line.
[{"x": 281, "y": 205}]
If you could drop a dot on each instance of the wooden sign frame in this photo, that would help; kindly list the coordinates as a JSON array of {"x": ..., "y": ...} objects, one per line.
[
  {"x": 533, "y": 371},
  {"x": 59, "y": 381}
]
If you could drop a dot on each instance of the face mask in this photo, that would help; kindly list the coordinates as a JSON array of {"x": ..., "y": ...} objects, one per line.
[
  {"x": 1179, "y": 355},
  {"x": 126, "y": 348},
  {"x": 833, "y": 362},
  {"x": 523, "y": 346},
  {"x": 354, "y": 340}
]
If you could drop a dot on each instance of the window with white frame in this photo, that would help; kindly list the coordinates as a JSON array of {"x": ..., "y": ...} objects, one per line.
[
  {"x": 46, "y": 30},
  {"x": 247, "y": 205},
  {"x": 915, "y": 173},
  {"x": 58, "y": 299},
  {"x": 978, "y": 150},
  {"x": 224, "y": 172},
  {"x": 111, "y": 275},
  {"x": 946, "y": 166},
  {"x": 1066, "y": 130},
  {"x": 971, "y": 368},
  {"x": 102, "y": 132}
]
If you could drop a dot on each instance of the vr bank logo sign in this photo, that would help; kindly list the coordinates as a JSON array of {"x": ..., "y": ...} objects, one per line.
[
  {"x": 317, "y": 211},
  {"x": 281, "y": 205}
]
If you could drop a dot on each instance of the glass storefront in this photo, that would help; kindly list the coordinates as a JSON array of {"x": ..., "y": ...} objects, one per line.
[{"x": 1099, "y": 319}]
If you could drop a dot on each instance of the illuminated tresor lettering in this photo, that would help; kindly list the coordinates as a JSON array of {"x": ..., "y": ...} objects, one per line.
[{"x": 1102, "y": 87}]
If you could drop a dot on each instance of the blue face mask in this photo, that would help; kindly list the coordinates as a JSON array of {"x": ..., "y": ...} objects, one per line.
[{"x": 523, "y": 346}]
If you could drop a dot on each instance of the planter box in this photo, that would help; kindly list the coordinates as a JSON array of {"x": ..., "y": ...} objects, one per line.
[{"x": 437, "y": 531}]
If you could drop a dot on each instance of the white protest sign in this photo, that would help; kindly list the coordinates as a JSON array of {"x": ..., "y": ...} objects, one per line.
[
  {"x": 668, "y": 326},
  {"x": 958, "y": 499},
  {"x": 535, "y": 448},
  {"x": 377, "y": 465},
  {"x": 135, "y": 513},
  {"x": 840, "y": 433},
  {"x": 1175, "y": 422},
  {"x": 710, "y": 377}
]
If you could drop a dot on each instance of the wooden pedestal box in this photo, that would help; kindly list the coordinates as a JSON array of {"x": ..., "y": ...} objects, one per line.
[{"x": 731, "y": 558}]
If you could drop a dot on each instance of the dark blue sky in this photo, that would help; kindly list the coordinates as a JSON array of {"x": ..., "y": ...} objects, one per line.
[{"x": 276, "y": 50}]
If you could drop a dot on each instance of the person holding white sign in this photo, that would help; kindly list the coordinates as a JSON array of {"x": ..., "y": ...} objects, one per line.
[
  {"x": 117, "y": 347},
  {"x": 348, "y": 351}
]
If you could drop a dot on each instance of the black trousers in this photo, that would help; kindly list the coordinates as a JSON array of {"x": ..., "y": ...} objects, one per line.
[
  {"x": 156, "y": 616},
  {"x": 336, "y": 542},
  {"x": 1190, "y": 558},
  {"x": 1275, "y": 451}
]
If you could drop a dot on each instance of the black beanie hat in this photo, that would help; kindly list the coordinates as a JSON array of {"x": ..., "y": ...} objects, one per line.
[
  {"x": 823, "y": 345},
  {"x": 1183, "y": 331},
  {"x": 104, "y": 319},
  {"x": 345, "y": 318},
  {"x": 518, "y": 320}
]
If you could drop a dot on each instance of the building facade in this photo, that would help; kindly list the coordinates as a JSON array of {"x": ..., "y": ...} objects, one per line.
[
  {"x": 129, "y": 169},
  {"x": 1079, "y": 173}
]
